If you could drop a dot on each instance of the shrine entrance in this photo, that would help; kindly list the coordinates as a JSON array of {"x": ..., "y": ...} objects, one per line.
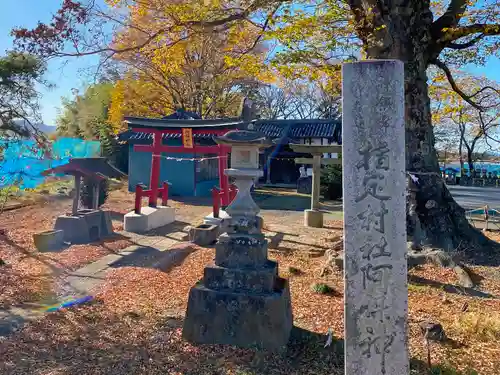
[
  {"x": 195, "y": 135},
  {"x": 314, "y": 216}
]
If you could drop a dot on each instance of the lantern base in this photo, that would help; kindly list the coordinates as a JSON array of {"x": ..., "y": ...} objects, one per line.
[
  {"x": 313, "y": 218},
  {"x": 149, "y": 218}
]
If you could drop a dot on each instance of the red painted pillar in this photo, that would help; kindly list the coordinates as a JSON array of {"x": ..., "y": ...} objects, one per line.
[
  {"x": 223, "y": 179},
  {"x": 164, "y": 194},
  {"x": 216, "y": 201},
  {"x": 155, "y": 169},
  {"x": 139, "y": 188}
]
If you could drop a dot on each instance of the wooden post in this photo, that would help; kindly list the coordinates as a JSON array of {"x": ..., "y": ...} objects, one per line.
[
  {"x": 215, "y": 201},
  {"x": 268, "y": 171},
  {"x": 314, "y": 217},
  {"x": 316, "y": 182},
  {"x": 138, "y": 198},
  {"x": 155, "y": 169},
  {"x": 164, "y": 194},
  {"x": 76, "y": 199},
  {"x": 223, "y": 179},
  {"x": 95, "y": 196}
]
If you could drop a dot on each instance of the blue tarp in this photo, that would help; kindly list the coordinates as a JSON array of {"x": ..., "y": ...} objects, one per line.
[{"x": 24, "y": 161}]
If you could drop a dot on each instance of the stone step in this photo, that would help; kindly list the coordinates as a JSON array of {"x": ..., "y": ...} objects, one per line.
[
  {"x": 241, "y": 250},
  {"x": 256, "y": 280},
  {"x": 179, "y": 236}
]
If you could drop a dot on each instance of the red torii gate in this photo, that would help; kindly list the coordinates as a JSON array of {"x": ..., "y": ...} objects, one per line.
[{"x": 158, "y": 147}]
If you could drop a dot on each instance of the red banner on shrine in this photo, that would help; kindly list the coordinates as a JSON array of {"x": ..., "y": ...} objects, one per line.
[{"x": 187, "y": 137}]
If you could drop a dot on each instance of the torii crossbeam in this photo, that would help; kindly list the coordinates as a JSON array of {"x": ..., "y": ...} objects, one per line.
[{"x": 314, "y": 216}]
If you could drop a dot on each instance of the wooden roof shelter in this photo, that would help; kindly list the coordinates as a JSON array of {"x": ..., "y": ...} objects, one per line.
[{"x": 97, "y": 169}]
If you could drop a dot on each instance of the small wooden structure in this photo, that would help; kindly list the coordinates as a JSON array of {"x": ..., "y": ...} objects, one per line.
[
  {"x": 86, "y": 225},
  {"x": 314, "y": 217},
  {"x": 96, "y": 169}
]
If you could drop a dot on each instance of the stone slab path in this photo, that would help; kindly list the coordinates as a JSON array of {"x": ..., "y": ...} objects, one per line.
[{"x": 146, "y": 251}]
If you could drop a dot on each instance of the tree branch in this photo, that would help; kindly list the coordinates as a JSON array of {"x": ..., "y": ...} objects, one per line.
[
  {"x": 451, "y": 16},
  {"x": 454, "y": 85},
  {"x": 486, "y": 127},
  {"x": 469, "y": 44},
  {"x": 456, "y": 33}
]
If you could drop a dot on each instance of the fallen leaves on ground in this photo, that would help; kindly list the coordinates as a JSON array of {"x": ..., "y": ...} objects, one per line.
[
  {"x": 28, "y": 275},
  {"x": 135, "y": 327}
]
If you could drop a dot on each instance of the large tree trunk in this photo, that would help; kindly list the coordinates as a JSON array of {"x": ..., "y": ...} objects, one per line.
[{"x": 434, "y": 218}]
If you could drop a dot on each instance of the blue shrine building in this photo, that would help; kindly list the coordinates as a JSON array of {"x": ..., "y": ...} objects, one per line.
[{"x": 190, "y": 160}]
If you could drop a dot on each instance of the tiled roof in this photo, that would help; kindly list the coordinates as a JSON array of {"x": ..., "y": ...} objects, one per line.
[
  {"x": 88, "y": 166},
  {"x": 272, "y": 128},
  {"x": 300, "y": 128},
  {"x": 129, "y": 135},
  {"x": 172, "y": 123}
]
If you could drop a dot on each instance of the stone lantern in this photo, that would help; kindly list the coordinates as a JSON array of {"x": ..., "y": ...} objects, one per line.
[
  {"x": 241, "y": 300},
  {"x": 245, "y": 148}
]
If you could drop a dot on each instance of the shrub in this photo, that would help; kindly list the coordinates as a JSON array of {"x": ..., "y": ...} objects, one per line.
[
  {"x": 331, "y": 182},
  {"x": 87, "y": 192},
  {"x": 321, "y": 288}
]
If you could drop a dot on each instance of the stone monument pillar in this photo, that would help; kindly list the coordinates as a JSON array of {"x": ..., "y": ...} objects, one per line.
[
  {"x": 376, "y": 291},
  {"x": 241, "y": 300}
]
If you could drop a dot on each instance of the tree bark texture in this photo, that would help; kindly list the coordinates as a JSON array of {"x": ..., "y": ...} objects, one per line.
[{"x": 434, "y": 219}]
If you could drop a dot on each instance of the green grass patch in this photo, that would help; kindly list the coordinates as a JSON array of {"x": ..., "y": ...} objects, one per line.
[{"x": 321, "y": 288}]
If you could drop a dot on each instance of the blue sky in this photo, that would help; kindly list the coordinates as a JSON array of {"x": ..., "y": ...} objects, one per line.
[{"x": 67, "y": 75}]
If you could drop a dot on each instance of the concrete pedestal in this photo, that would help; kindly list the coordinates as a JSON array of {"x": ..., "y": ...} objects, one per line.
[
  {"x": 313, "y": 218},
  {"x": 222, "y": 221},
  {"x": 85, "y": 226},
  {"x": 50, "y": 240},
  {"x": 204, "y": 234},
  {"x": 243, "y": 319},
  {"x": 241, "y": 300},
  {"x": 149, "y": 218}
]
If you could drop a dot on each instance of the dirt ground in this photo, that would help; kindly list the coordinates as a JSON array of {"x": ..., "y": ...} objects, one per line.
[
  {"x": 135, "y": 325},
  {"x": 30, "y": 275}
]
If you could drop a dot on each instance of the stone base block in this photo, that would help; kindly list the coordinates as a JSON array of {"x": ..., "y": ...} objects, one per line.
[
  {"x": 313, "y": 218},
  {"x": 304, "y": 185},
  {"x": 256, "y": 280},
  {"x": 222, "y": 221},
  {"x": 204, "y": 234},
  {"x": 51, "y": 240},
  {"x": 243, "y": 224},
  {"x": 261, "y": 321},
  {"x": 241, "y": 250},
  {"x": 85, "y": 226},
  {"x": 149, "y": 218}
]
